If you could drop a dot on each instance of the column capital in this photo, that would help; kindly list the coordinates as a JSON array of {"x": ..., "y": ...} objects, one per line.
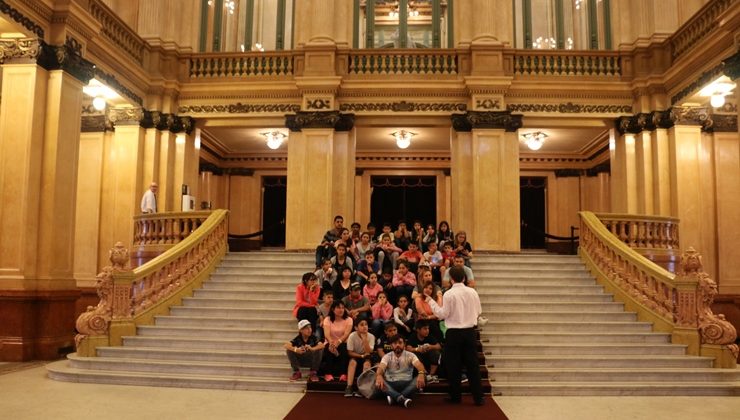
[
  {"x": 95, "y": 124},
  {"x": 689, "y": 115},
  {"x": 186, "y": 124},
  {"x": 126, "y": 116},
  {"x": 67, "y": 57},
  {"x": 487, "y": 119},
  {"x": 20, "y": 49},
  {"x": 320, "y": 119}
]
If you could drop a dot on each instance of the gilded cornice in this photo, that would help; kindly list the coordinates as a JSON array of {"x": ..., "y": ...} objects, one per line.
[
  {"x": 22, "y": 20},
  {"x": 570, "y": 108},
  {"x": 483, "y": 120},
  {"x": 238, "y": 108},
  {"x": 19, "y": 49},
  {"x": 402, "y": 106},
  {"x": 320, "y": 119},
  {"x": 126, "y": 116}
]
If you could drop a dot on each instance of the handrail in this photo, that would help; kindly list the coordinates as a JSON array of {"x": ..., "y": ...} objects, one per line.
[
  {"x": 643, "y": 231},
  {"x": 117, "y": 31},
  {"x": 567, "y": 63},
  {"x": 244, "y": 64},
  {"x": 166, "y": 228},
  {"x": 403, "y": 61},
  {"x": 129, "y": 298}
]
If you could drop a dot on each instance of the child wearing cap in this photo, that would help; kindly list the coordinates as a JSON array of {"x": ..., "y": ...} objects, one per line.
[
  {"x": 358, "y": 306},
  {"x": 304, "y": 350}
]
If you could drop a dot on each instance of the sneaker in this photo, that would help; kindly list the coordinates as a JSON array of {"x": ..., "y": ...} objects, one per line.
[
  {"x": 390, "y": 400},
  {"x": 464, "y": 378},
  {"x": 312, "y": 377},
  {"x": 328, "y": 377},
  {"x": 343, "y": 378},
  {"x": 348, "y": 391},
  {"x": 407, "y": 402},
  {"x": 432, "y": 379},
  {"x": 296, "y": 375},
  {"x": 358, "y": 395},
  {"x": 482, "y": 321}
]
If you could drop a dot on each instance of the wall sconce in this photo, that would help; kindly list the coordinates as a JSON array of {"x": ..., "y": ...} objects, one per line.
[
  {"x": 403, "y": 138},
  {"x": 274, "y": 139},
  {"x": 99, "y": 103},
  {"x": 534, "y": 140},
  {"x": 717, "y": 91}
]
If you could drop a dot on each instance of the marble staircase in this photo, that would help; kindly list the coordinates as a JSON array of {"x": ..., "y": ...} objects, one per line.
[{"x": 554, "y": 331}]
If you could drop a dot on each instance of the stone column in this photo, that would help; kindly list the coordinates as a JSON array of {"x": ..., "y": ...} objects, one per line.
[
  {"x": 168, "y": 190},
  {"x": 661, "y": 165},
  {"x": 185, "y": 160},
  {"x": 321, "y": 170},
  {"x": 485, "y": 179},
  {"x": 152, "y": 149},
  {"x": 623, "y": 166},
  {"x": 644, "y": 175},
  {"x": 484, "y": 21},
  {"x": 39, "y": 146}
]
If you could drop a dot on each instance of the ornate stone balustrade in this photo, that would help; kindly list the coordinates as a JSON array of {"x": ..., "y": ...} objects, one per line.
[
  {"x": 677, "y": 304},
  {"x": 567, "y": 63},
  {"x": 641, "y": 231},
  {"x": 698, "y": 27},
  {"x": 117, "y": 31},
  {"x": 166, "y": 228},
  {"x": 411, "y": 61},
  {"x": 134, "y": 297},
  {"x": 251, "y": 64}
]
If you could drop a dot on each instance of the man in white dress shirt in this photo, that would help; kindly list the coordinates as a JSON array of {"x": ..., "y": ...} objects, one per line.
[
  {"x": 149, "y": 200},
  {"x": 460, "y": 309}
]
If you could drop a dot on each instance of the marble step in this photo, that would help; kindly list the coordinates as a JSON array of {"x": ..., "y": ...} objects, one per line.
[
  {"x": 513, "y": 258},
  {"x": 242, "y": 346},
  {"x": 286, "y": 321},
  {"x": 259, "y": 293},
  {"x": 514, "y": 273},
  {"x": 61, "y": 371},
  {"x": 553, "y": 316},
  {"x": 284, "y": 332},
  {"x": 147, "y": 349},
  {"x": 585, "y": 349},
  {"x": 652, "y": 374},
  {"x": 598, "y": 361},
  {"x": 608, "y": 307},
  {"x": 482, "y": 282},
  {"x": 308, "y": 258},
  {"x": 553, "y": 288},
  {"x": 256, "y": 283},
  {"x": 628, "y": 388},
  {"x": 264, "y": 271},
  {"x": 494, "y": 337},
  {"x": 527, "y": 297},
  {"x": 228, "y": 312},
  {"x": 566, "y": 327},
  {"x": 252, "y": 302},
  {"x": 187, "y": 367},
  {"x": 288, "y": 264}
]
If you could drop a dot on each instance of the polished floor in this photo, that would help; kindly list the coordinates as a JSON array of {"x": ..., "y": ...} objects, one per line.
[{"x": 26, "y": 393}]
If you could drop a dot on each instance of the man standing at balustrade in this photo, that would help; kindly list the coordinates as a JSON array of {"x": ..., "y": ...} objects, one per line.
[{"x": 149, "y": 200}]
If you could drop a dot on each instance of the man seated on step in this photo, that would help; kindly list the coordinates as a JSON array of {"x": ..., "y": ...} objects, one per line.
[
  {"x": 304, "y": 350},
  {"x": 426, "y": 348},
  {"x": 357, "y": 305},
  {"x": 326, "y": 248},
  {"x": 395, "y": 377}
]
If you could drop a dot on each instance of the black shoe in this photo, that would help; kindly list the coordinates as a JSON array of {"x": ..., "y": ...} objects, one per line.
[{"x": 451, "y": 400}]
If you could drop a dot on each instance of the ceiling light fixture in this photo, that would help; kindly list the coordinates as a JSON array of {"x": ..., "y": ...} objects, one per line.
[
  {"x": 403, "y": 138},
  {"x": 717, "y": 90},
  {"x": 99, "y": 103},
  {"x": 274, "y": 139},
  {"x": 534, "y": 140}
]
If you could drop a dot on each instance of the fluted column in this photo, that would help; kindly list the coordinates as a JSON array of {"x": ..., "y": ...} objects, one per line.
[
  {"x": 485, "y": 179},
  {"x": 321, "y": 170},
  {"x": 39, "y": 146}
]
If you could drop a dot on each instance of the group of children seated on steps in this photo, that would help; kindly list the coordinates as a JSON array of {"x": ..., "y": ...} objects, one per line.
[{"x": 365, "y": 291}]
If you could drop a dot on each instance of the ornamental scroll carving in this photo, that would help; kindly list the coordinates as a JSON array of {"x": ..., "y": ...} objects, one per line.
[
  {"x": 713, "y": 328},
  {"x": 25, "y": 48},
  {"x": 96, "y": 320}
]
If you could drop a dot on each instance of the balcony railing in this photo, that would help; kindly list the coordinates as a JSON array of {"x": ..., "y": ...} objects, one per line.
[
  {"x": 241, "y": 65},
  {"x": 642, "y": 232},
  {"x": 398, "y": 62},
  {"x": 117, "y": 31},
  {"x": 567, "y": 63},
  {"x": 166, "y": 228},
  {"x": 698, "y": 27}
]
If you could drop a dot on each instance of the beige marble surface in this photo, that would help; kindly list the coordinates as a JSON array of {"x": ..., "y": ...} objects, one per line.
[{"x": 29, "y": 394}]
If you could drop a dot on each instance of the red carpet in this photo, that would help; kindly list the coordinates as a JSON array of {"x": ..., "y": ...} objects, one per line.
[{"x": 320, "y": 405}]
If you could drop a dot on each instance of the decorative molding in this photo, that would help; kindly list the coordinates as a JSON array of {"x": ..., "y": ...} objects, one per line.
[
  {"x": 570, "y": 108},
  {"x": 722, "y": 123},
  {"x": 178, "y": 124},
  {"x": 19, "y": 49},
  {"x": 114, "y": 84},
  {"x": 17, "y": 16},
  {"x": 95, "y": 124},
  {"x": 598, "y": 169},
  {"x": 731, "y": 66},
  {"x": 661, "y": 119},
  {"x": 219, "y": 171},
  {"x": 320, "y": 119},
  {"x": 477, "y": 119},
  {"x": 239, "y": 108},
  {"x": 403, "y": 106},
  {"x": 568, "y": 173},
  {"x": 319, "y": 103},
  {"x": 66, "y": 57},
  {"x": 627, "y": 124},
  {"x": 697, "y": 84},
  {"x": 677, "y": 115},
  {"x": 405, "y": 158},
  {"x": 689, "y": 115},
  {"x": 727, "y": 108},
  {"x": 489, "y": 103},
  {"x": 125, "y": 116}
]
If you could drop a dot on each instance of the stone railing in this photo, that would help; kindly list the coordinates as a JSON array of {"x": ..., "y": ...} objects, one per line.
[
  {"x": 698, "y": 27},
  {"x": 117, "y": 31},
  {"x": 677, "y": 304},
  {"x": 241, "y": 65},
  {"x": 162, "y": 229},
  {"x": 397, "y": 62},
  {"x": 567, "y": 63},
  {"x": 129, "y": 298},
  {"x": 642, "y": 231}
]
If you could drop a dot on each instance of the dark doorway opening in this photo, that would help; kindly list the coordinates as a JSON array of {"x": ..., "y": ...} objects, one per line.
[
  {"x": 404, "y": 198},
  {"x": 532, "y": 191},
  {"x": 274, "y": 202}
]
